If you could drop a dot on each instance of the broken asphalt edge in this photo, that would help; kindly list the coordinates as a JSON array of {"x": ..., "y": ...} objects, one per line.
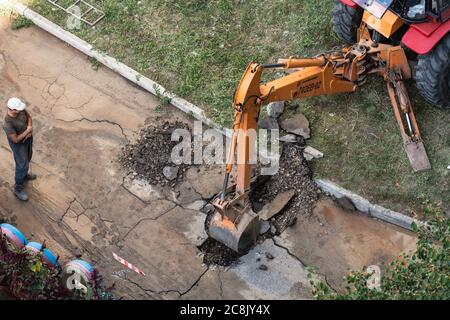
[{"x": 156, "y": 89}]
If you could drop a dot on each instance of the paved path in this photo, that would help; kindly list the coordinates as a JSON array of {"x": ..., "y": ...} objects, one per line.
[{"x": 83, "y": 203}]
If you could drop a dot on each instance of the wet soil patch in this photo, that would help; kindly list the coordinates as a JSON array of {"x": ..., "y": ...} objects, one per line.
[
  {"x": 216, "y": 253},
  {"x": 294, "y": 174},
  {"x": 149, "y": 158}
]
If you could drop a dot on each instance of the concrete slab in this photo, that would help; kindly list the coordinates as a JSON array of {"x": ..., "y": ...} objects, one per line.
[
  {"x": 334, "y": 241},
  {"x": 285, "y": 278}
]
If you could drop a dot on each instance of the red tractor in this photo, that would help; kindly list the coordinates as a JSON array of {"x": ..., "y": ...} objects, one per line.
[{"x": 424, "y": 35}]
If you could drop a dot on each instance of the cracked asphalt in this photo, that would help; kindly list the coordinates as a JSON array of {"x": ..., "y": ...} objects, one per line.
[{"x": 84, "y": 203}]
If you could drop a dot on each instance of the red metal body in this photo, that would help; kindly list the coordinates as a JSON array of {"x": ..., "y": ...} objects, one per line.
[
  {"x": 349, "y": 3},
  {"x": 422, "y": 37}
]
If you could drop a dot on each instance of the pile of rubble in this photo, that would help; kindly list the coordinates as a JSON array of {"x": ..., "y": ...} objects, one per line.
[
  {"x": 292, "y": 191},
  {"x": 149, "y": 158},
  {"x": 297, "y": 128},
  {"x": 216, "y": 253}
]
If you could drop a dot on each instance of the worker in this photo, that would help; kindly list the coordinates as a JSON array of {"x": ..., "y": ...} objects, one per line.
[{"x": 18, "y": 127}]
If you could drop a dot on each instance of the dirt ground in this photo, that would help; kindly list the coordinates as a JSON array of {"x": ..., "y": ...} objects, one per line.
[{"x": 84, "y": 203}]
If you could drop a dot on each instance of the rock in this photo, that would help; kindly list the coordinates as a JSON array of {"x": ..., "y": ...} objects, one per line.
[
  {"x": 78, "y": 253},
  {"x": 170, "y": 172},
  {"x": 290, "y": 138},
  {"x": 269, "y": 256},
  {"x": 273, "y": 230},
  {"x": 293, "y": 222},
  {"x": 142, "y": 189},
  {"x": 346, "y": 203},
  {"x": 257, "y": 206},
  {"x": 264, "y": 226},
  {"x": 263, "y": 267},
  {"x": 275, "y": 109},
  {"x": 268, "y": 123},
  {"x": 298, "y": 125},
  {"x": 208, "y": 208},
  {"x": 272, "y": 208},
  {"x": 196, "y": 205},
  {"x": 310, "y": 153}
]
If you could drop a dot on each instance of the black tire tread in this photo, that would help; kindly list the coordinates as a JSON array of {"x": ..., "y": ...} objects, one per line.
[
  {"x": 432, "y": 74},
  {"x": 346, "y": 21}
]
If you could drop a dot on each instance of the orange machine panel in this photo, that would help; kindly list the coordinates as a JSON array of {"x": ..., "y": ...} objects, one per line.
[{"x": 386, "y": 25}]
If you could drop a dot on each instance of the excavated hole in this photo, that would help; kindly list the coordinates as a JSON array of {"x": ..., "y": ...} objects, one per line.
[{"x": 294, "y": 174}]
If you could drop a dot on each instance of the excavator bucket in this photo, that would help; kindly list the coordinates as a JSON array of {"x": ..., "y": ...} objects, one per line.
[
  {"x": 417, "y": 156},
  {"x": 239, "y": 236}
]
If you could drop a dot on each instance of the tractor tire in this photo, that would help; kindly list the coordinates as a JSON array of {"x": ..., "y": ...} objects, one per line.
[
  {"x": 433, "y": 74},
  {"x": 346, "y": 21}
]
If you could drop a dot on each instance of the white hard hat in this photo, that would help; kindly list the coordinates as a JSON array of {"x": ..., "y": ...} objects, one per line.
[{"x": 16, "y": 104}]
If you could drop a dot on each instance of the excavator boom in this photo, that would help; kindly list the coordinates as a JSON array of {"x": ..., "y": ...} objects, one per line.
[{"x": 234, "y": 223}]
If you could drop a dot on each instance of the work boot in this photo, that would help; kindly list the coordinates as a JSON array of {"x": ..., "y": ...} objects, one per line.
[
  {"x": 20, "y": 193},
  {"x": 31, "y": 176}
]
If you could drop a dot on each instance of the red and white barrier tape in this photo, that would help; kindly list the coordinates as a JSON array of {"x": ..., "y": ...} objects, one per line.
[{"x": 127, "y": 264}]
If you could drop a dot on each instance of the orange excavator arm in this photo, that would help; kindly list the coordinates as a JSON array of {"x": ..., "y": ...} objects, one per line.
[
  {"x": 317, "y": 77},
  {"x": 234, "y": 222}
]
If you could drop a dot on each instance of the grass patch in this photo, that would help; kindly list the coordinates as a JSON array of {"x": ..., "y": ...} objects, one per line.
[
  {"x": 199, "y": 49},
  {"x": 95, "y": 63},
  {"x": 21, "y": 22}
]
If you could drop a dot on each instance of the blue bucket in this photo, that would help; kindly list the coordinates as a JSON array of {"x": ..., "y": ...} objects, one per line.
[{"x": 49, "y": 257}]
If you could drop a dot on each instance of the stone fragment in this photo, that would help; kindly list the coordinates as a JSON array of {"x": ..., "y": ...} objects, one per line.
[
  {"x": 170, "y": 172},
  {"x": 275, "y": 109},
  {"x": 268, "y": 123},
  {"x": 289, "y": 138},
  {"x": 276, "y": 205},
  {"x": 298, "y": 125},
  {"x": 311, "y": 153},
  {"x": 264, "y": 226}
]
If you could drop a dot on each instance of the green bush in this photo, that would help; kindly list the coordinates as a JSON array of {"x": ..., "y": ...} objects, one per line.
[{"x": 21, "y": 22}]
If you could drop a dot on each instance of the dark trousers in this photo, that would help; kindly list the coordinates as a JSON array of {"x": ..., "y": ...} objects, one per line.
[{"x": 23, "y": 151}]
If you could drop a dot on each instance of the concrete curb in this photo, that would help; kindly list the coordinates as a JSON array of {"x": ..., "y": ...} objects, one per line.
[
  {"x": 365, "y": 206},
  {"x": 147, "y": 84}
]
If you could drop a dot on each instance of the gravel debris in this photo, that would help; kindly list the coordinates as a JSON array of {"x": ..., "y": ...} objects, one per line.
[
  {"x": 294, "y": 173},
  {"x": 269, "y": 256},
  {"x": 216, "y": 253},
  {"x": 150, "y": 157},
  {"x": 263, "y": 267}
]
